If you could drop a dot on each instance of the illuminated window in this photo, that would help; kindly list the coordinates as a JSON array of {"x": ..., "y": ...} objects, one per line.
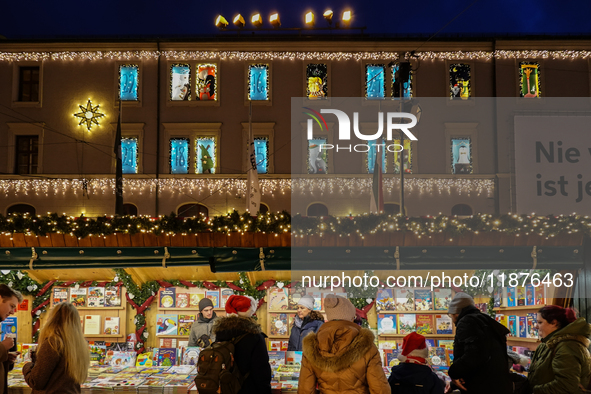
[
  {"x": 261, "y": 149},
  {"x": 376, "y": 148},
  {"x": 180, "y": 82},
  {"x": 128, "y": 82},
  {"x": 206, "y": 82},
  {"x": 129, "y": 155},
  {"x": 317, "y": 81},
  {"x": 192, "y": 210},
  {"x": 317, "y": 209},
  {"x": 407, "y": 157},
  {"x": 375, "y": 81},
  {"x": 459, "y": 82},
  {"x": 461, "y": 156},
  {"x": 258, "y": 82},
  {"x": 406, "y": 84},
  {"x": 27, "y": 154},
  {"x": 529, "y": 79},
  {"x": 206, "y": 155},
  {"x": 179, "y": 156},
  {"x": 317, "y": 158},
  {"x": 28, "y": 89}
]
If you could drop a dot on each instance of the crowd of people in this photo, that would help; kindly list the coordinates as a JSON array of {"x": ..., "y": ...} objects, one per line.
[{"x": 339, "y": 356}]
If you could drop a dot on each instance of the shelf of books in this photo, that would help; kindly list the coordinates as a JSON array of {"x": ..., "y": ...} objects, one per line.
[{"x": 102, "y": 309}]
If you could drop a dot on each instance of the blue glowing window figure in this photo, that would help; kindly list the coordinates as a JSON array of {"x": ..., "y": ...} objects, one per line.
[
  {"x": 180, "y": 82},
  {"x": 375, "y": 82},
  {"x": 179, "y": 156},
  {"x": 205, "y": 163},
  {"x": 129, "y": 155},
  {"x": 261, "y": 149},
  {"x": 258, "y": 82},
  {"x": 406, "y": 85},
  {"x": 128, "y": 82},
  {"x": 461, "y": 156},
  {"x": 376, "y": 148},
  {"x": 317, "y": 157}
]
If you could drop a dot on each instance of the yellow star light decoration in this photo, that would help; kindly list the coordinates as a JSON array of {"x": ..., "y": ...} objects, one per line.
[{"x": 89, "y": 115}]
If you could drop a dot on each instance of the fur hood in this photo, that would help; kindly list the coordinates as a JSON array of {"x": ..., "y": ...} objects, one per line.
[
  {"x": 237, "y": 324},
  {"x": 337, "y": 345},
  {"x": 314, "y": 315},
  {"x": 552, "y": 343},
  {"x": 579, "y": 331}
]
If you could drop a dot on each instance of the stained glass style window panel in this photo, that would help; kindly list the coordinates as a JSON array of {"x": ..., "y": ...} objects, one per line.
[
  {"x": 459, "y": 82},
  {"x": 180, "y": 82},
  {"x": 317, "y": 157},
  {"x": 375, "y": 81},
  {"x": 317, "y": 81},
  {"x": 129, "y": 155},
  {"x": 407, "y": 157},
  {"x": 128, "y": 82},
  {"x": 461, "y": 156},
  {"x": 179, "y": 156},
  {"x": 376, "y": 148},
  {"x": 258, "y": 82},
  {"x": 529, "y": 79},
  {"x": 207, "y": 75},
  {"x": 206, "y": 154},
  {"x": 406, "y": 85},
  {"x": 261, "y": 150}
]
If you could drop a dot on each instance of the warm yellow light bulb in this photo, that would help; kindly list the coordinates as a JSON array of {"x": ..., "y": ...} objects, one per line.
[
  {"x": 309, "y": 18},
  {"x": 347, "y": 16},
  {"x": 256, "y": 20}
]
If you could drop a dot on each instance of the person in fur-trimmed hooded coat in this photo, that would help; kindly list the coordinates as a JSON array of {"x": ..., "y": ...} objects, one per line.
[
  {"x": 250, "y": 353},
  {"x": 341, "y": 358}
]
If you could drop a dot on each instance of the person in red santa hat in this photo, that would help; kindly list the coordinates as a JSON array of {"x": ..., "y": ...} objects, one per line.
[
  {"x": 414, "y": 375},
  {"x": 250, "y": 353}
]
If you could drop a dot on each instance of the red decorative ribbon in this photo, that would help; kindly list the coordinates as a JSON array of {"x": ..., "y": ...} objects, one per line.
[
  {"x": 265, "y": 285},
  {"x": 234, "y": 287},
  {"x": 45, "y": 288},
  {"x": 210, "y": 285},
  {"x": 188, "y": 284},
  {"x": 362, "y": 313},
  {"x": 164, "y": 283}
]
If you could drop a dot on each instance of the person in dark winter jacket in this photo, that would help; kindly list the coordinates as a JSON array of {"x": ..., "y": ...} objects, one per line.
[
  {"x": 480, "y": 350},
  {"x": 306, "y": 321},
  {"x": 250, "y": 352},
  {"x": 413, "y": 375},
  {"x": 561, "y": 363},
  {"x": 201, "y": 331}
]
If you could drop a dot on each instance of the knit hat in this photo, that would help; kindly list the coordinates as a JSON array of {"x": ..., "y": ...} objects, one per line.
[
  {"x": 307, "y": 301},
  {"x": 459, "y": 302},
  {"x": 241, "y": 305},
  {"x": 338, "y": 308},
  {"x": 413, "y": 347},
  {"x": 204, "y": 303}
]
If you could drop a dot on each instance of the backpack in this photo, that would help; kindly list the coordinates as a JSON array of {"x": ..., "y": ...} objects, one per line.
[{"x": 217, "y": 373}]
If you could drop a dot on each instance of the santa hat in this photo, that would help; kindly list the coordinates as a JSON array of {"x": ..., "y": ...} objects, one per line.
[
  {"x": 241, "y": 305},
  {"x": 414, "y": 349}
]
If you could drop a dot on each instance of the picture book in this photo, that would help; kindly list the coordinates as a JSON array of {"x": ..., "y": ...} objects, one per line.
[
  {"x": 404, "y": 299},
  {"x": 98, "y": 352},
  {"x": 423, "y": 300},
  {"x": 168, "y": 297},
  {"x": 168, "y": 342},
  {"x": 111, "y": 325},
  {"x": 540, "y": 293},
  {"x": 278, "y": 324},
  {"x": 387, "y": 345},
  {"x": 96, "y": 297},
  {"x": 78, "y": 296},
  {"x": 513, "y": 325},
  {"x": 194, "y": 298},
  {"x": 92, "y": 325},
  {"x": 277, "y": 299},
  {"x": 224, "y": 295},
  {"x": 284, "y": 344},
  {"x": 511, "y": 301},
  {"x": 443, "y": 324},
  {"x": 166, "y": 357},
  {"x": 385, "y": 300},
  {"x": 60, "y": 294},
  {"x": 407, "y": 323},
  {"x": 530, "y": 294},
  {"x": 446, "y": 343},
  {"x": 293, "y": 358},
  {"x": 386, "y": 324},
  {"x": 182, "y": 300},
  {"x": 191, "y": 355},
  {"x": 293, "y": 297},
  {"x": 214, "y": 296},
  {"x": 25, "y": 350},
  {"x": 274, "y": 345},
  {"x": 522, "y": 326},
  {"x": 532, "y": 330},
  {"x": 440, "y": 353},
  {"x": 430, "y": 342},
  {"x": 276, "y": 358},
  {"x": 520, "y": 294},
  {"x": 391, "y": 357},
  {"x": 124, "y": 359},
  {"x": 442, "y": 299},
  {"x": 112, "y": 296},
  {"x": 9, "y": 329},
  {"x": 497, "y": 297},
  {"x": 166, "y": 324},
  {"x": 185, "y": 324},
  {"x": 317, "y": 299},
  {"x": 144, "y": 360},
  {"x": 449, "y": 356},
  {"x": 504, "y": 320},
  {"x": 424, "y": 324}
]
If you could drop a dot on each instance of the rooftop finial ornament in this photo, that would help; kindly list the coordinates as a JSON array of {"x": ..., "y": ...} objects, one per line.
[{"x": 89, "y": 115}]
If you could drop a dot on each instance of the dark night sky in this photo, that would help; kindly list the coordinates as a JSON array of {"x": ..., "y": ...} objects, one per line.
[{"x": 153, "y": 18}]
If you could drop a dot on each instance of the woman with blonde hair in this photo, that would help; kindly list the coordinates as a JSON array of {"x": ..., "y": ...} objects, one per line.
[{"x": 60, "y": 364}]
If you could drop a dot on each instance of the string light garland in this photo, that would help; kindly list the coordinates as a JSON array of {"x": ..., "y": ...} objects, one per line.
[{"x": 292, "y": 55}]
